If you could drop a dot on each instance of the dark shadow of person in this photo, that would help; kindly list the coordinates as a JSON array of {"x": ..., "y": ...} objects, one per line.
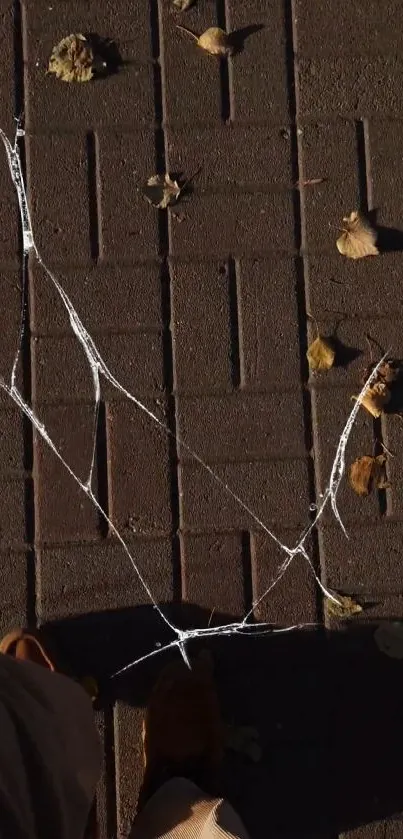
[{"x": 327, "y": 707}]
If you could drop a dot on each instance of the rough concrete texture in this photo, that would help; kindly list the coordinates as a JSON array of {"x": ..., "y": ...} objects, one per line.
[{"x": 204, "y": 312}]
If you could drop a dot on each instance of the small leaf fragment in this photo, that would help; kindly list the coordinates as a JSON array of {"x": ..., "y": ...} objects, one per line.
[
  {"x": 358, "y": 237},
  {"x": 345, "y": 608},
  {"x": 183, "y": 5},
  {"x": 375, "y": 398},
  {"x": 367, "y": 472},
  {"x": 321, "y": 354},
  {"x": 72, "y": 59},
  {"x": 388, "y": 638},
  {"x": 161, "y": 191}
]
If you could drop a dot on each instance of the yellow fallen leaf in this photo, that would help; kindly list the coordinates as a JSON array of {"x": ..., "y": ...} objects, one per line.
[
  {"x": 72, "y": 59},
  {"x": 345, "y": 608},
  {"x": 375, "y": 398},
  {"x": 214, "y": 40},
  {"x": 358, "y": 238},
  {"x": 321, "y": 354},
  {"x": 161, "y": 191},
  {"x": 183, "y": 5},
  {"x": 367, "y": 472}
]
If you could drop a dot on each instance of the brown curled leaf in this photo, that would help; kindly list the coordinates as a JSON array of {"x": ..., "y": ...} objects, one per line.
[
  {"x": 388, "y": 371},
  {"x": 321, "y": 354},
  {"x": 368, "y": 472},
  {"x": 358, "y": 237},
  {"x": 345, "y": 608},
  {"x": 214, "y": 40},
  {"x": 375, "y": 398},
  {"x": 161, "y": 191},
  {"x": 72, "y": 59}
]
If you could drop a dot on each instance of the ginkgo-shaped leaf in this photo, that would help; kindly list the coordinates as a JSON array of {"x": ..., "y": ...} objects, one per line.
[
  {"x": 321, "y": 354},
  {"x": 345, "y": 608},
  {"x": 389, "y": 639},
  {"x": 72, "y": 59},
  {"x": 367, "y": 472},
  {"x": 375, "y": 398},
  {"x": 214, "y": 40},
  {"x": 358, "y": 237},
  {"x": 161, "y": 191}
]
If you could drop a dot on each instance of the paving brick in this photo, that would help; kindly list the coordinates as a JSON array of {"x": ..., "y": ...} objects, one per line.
[
  {"x": 275, "y": 491},
  {"x": 92, "y": 578},
  {"x": 330, "y": 152},
  {"x": 129, "y": 222},
  {"x": 11, "y": 441},
  {"x": 213, "y": 572},
  {"x": 7, "y": 107},
  {"x": 340, "y": 287},
  {"x": 360, "y": 86},
  {"x": 9, "y": 214},
  {"x": 63, "y": 513},
  {"x": 125, "y": 98},
  {"x": 391, "y": 433},
  {"x": 269, "y": 340},
  {"x": 254, "y": 224},
  {"x": 389, "y": 829},
  {"x": 294, "y": 598},
  {"x": 349, "y": 30},
  {"x": 368, "y": 562},
  {"x": 330, "y": 409},
  {"x": 139, "y": 472},
  {"x": 61, "y": 370},
  {"x": 129, "y": 762},
  {"x": 121, "y": 22},
  {"x": 13, "y": 582},
  {"x": 386, "y": 170},
  {"x": 191, "y": 77},
  {"x": 241, "y": 155},
  {"x": 262, "y": 64},
  {"x": 201, "y": 327},
  {"x": 12, "y": 513},
  {"x": 353, "y": 353},
  {"x": 58, "y": 182},
  {"x": 242, "y": 426},
  {"x": 106, "y": 297}
]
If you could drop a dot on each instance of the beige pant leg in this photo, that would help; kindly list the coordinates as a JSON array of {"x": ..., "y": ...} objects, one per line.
[{"x": 180, "y": 810}]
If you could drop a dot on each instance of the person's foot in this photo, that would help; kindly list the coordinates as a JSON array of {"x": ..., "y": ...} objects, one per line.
[{"x": 183, "y": 734}]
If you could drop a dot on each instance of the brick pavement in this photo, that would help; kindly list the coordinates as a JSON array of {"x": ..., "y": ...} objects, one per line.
[{"x": 202, "y": 313}]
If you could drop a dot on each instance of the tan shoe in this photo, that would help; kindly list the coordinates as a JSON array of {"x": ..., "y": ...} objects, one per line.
[
  {"x": 183, "y": 733},
  {"x": 26, "y": 646}
]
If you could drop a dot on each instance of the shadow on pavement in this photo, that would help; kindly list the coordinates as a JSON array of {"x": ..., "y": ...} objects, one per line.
[{"x": 328, "y": 708}]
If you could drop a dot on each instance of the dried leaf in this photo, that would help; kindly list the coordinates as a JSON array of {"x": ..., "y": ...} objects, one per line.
[
  {"x": 321, "y": 354},
  {"x": 345, "y": 608},
  {"x": 358, "y": 238},
  {"x": 214, "y": 40},
  {"x": 310, "y": 182},
  {"x": 161, "y": 191},
  {"x": 388, "y": 638},
  {"x": 72, "y": 59},
  {"x": 375, "y": 398},
  {"x": 183, "y": 5},
  {"x": 367, "y": 472},
  {"x": 388, "y": 372}
]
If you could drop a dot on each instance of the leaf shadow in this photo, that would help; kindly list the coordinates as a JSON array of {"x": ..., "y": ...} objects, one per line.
[
  {"x": 389, "y": 239},
  {"x": 107, "y": 57},
  {"x": 238, "y": 37},
  {"x": 345, "y": 354}
]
